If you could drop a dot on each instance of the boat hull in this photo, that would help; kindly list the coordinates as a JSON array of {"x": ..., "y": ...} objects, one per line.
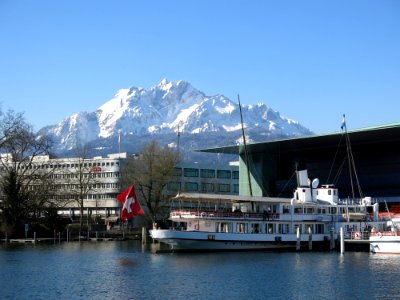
[
  {"x": 214, "y": 241},
  {"x": 385, "y": 244}
]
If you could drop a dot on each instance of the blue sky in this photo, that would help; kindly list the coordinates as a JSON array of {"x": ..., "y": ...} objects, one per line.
[{"x": 310, "y": 60}]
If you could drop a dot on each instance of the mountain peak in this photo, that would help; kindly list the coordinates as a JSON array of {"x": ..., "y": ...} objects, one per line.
[{"x": 157, "y": 112}]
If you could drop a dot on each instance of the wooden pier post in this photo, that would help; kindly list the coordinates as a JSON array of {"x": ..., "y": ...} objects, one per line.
[
  {"x": 341, "y": 241},
  {"x": 144, "y": 235},
  {"x": 309, "y": 238},
  {"x": 298, "y": 239}
]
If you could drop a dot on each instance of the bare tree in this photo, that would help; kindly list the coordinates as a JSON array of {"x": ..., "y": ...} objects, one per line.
[
  {"x": 20, "y": 147},
  {"x": 150, "y": 173},
  {"x": 81, "y": 182}
]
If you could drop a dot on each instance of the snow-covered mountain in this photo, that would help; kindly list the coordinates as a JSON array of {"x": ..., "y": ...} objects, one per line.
[{"x": 139, "y": 115}]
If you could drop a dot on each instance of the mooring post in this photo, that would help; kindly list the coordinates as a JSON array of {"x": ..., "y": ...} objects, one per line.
[
  {"x": 34, "y": 237},
  {"x": 341, "y": 241},
  {"x": 309, "y": 238},
  {"x": 298, "y": 239},
  {"x": 143, "y": 235}
]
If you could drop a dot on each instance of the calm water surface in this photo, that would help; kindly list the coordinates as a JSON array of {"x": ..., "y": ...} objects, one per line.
[{"x": 126, "y": 270}]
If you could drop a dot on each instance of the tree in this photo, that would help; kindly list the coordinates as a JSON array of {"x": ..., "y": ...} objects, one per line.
[
  {"x": 20, "y": 147},
  {"x": 150, "y": 173},
  {"x": 83, "y": 179}
]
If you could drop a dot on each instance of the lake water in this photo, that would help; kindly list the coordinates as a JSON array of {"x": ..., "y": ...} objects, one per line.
[{"x": 126, "y": 270}]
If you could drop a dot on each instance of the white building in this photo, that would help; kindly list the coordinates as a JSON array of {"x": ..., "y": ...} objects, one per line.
[{"x": 100, "y": 179}]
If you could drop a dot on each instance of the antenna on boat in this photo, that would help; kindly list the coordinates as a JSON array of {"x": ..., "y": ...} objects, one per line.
[{"x": 245, "y": 148}]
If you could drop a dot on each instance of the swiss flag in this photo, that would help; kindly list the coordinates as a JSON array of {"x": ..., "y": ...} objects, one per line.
[{"x": 131, "y": 206}]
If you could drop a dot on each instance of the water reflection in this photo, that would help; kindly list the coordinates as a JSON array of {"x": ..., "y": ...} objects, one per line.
[{"x": 114, "y": 270}]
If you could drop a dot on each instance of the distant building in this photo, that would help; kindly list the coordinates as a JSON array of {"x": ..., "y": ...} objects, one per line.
[
  {"x": 199, "y": 178},
  {"x": 102, "y": 177}
]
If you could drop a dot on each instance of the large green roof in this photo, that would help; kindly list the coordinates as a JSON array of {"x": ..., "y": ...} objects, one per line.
[{"x": 366, "y": 135}]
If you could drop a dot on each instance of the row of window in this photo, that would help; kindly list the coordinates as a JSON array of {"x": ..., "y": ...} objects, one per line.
[
  {"x": 206, "y": 173},
  {"x": 203, "y": 187},
  {"x": 91, "y": 186},
  {"x": 111, "y": 196},
  {"x": 70, "y": 165},
  {"x": 268, "y": 228},
  {"x": 86, "y": 175}
]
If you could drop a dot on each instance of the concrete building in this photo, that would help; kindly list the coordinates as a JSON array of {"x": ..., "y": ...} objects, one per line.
[
  {"x": 200, "y": 178},
  {"x": 100, "y": 177}
]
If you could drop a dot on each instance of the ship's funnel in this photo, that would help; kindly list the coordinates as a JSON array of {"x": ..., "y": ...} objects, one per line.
[{"x": 302, "y": 178}]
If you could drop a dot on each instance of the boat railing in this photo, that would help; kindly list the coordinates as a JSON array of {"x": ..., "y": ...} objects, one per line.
[
  {"x": 357, "y": 235},
  {"x": 385, "y": 233},
  {"x": 222, "y": 215}
]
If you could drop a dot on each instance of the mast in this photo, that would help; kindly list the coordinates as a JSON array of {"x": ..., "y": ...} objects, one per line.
[
  {"x": 352, "y": 166},
  {"x": 245, "y": 148}
]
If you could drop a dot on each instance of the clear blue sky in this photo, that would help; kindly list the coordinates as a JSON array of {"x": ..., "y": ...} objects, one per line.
[{"x": 310, "y": 60}]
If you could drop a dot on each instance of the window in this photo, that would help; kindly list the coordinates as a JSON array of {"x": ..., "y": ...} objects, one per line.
[
  {"x": 269, "y": 228},
  {"x": 224, "y": 187},
  {"x": 177, "y": 172},
  {"x": 207, "y": 187},
  {"x": 241, "y": 228},
  {"x": 207, "y": 173},
  {"x": 283, "y": 228},
  {"x": 224, "y": 174},
  {"x": 191, "y": 172},
  {"x": 319, "y": 228},
  {"x": 255, "y": 228},
  {"x": 235, "y": 174},
  {"x": 236, "y": 188},
  {"x": 191, "y": 186},
  {"x": 173, "y": 186}
]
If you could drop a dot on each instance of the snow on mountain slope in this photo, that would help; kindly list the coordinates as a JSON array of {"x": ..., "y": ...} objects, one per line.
[{"x": 160, "y": 110}]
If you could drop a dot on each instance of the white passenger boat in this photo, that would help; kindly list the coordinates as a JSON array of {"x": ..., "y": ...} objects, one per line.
[
  {"x": 311, "y": 219},
  {"x": 386, "y": 241}
]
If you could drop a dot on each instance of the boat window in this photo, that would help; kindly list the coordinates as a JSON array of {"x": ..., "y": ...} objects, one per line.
[
  {"x": 223, "y": 227},
  {"x": 269, "y": 228},
  {"x": 286, "y": 209},
  {"x": 297, "y": 226},
  {"x": 319, "y": 228},
  {"x": 255, "y": 228},
  {"x": 309, "y": 210},
  {"x": 297, "y": 210},
  {"x": 333, "y": 210},
  {"x": 283, "y": 228},
  {"x": 241, "y": 228},
  {"x": 329, "y": 192}
]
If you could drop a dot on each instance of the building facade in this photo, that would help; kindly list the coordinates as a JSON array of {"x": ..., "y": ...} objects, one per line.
[{"x": 96, "y": 181}]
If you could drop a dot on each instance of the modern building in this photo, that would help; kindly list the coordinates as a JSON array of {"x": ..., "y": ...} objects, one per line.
[
  {"x": 97, "y": 180},
  {"x": 205, "y": 179},
  {"x": 271, "y": 165}
]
